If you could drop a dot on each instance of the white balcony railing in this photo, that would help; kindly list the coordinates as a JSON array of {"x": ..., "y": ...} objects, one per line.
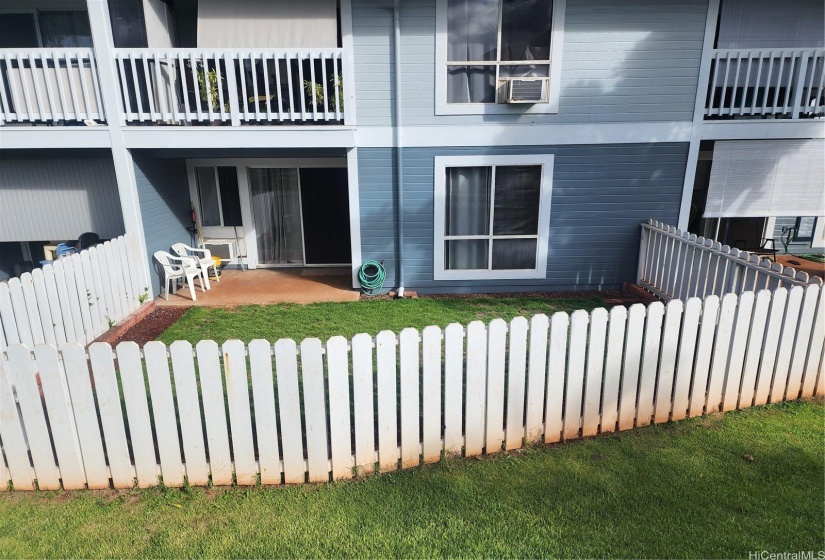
[
  {"x": 766, "y": 83},
  {"x": 261, "y": 86},
  {"x": 49, "y": 86}
]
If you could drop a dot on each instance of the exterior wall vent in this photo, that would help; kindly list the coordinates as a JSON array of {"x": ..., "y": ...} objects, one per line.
[{"x": 527, "y": 90}]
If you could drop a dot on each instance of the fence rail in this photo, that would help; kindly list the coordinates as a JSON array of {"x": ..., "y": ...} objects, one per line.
[
  {"x": 288, "y": 413},
  {"x": 76, "y": 299},
  {"x": 284, "y": 86},
  {"x": 677, "y": 264},
  {"x": 786, "y": 83},
  {"x": 49, "y": 85}
]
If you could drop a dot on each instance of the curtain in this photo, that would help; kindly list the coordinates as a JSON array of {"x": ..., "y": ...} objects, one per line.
[
  {"x": 468, "y": 213},
  {"x": 472, "y": 34},
  {"x": 208, "y": 194},
  {"x": 276, "y": 210},
  {"x": 65, "y": 29}
]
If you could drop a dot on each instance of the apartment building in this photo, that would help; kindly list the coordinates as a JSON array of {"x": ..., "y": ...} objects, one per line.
[{"x": 469, "y": 145}]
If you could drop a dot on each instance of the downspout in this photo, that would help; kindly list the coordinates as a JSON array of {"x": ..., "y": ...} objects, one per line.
[{"x": 399, "y": 158}]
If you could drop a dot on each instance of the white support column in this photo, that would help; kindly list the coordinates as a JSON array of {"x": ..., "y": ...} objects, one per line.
[
  {"x": 110, "y": 91},
  {"x": 354, "y": 214},
  {"x": 698, "y": 113},
  {"x": 348, "y": 62}
]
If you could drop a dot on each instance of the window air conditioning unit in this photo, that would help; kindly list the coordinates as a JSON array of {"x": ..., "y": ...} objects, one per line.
[
  {"x": 226, "y": 249},
  {"x": 526, "y": 90}
]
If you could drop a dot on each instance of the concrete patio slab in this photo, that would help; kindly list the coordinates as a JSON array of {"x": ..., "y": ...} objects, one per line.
[{"x": 268, "y": 286}]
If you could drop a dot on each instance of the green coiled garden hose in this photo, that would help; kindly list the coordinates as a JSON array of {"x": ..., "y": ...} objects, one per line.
[{"x": 371, "y": 275}]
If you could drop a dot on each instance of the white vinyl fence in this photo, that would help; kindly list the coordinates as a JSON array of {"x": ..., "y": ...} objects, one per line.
[
  {"x": 76, "y": 299},
  {"x": 288, "y": 413},
  {"x": 676, "y": 264}
]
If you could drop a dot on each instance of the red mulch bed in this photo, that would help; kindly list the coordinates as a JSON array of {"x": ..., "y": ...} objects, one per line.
[{"x": 151, "y": 326}]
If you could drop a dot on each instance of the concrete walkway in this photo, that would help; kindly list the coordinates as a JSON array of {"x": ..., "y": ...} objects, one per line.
[{"x": 267, "y": 286}]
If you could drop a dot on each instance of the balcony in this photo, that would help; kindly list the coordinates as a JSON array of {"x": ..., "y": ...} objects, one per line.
[
  {"x": 49, "y": 86},
  {"x": 231, "y": 87},
  {"x": 747, "y": 84}
]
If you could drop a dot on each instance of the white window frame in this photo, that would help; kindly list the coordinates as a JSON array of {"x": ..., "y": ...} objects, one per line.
[
  {"x": 442, "y": 163},
  {"x": 556, "y": 45},
  {"x": 818, "y": 242}
]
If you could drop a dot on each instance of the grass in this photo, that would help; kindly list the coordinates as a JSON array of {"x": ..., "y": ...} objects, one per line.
[
  {"x": 324, "y": 320},
  {"x": 680, "y": 490}
]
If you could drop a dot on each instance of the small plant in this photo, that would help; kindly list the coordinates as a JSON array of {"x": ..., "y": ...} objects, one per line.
[
  {"x": 111, "y": 321},
  {"x": 210, "y": 76},
  {"x": 144, "y": 296},
  {"x": 161, "y": 485},
  {"x": 317, "y": 91}
]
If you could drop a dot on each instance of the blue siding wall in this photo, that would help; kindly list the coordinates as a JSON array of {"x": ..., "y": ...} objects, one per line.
[
  {"x": 628, "y": 61},
  {"x": 601, "y": 193},
  {"x": 163, "y": 189}
]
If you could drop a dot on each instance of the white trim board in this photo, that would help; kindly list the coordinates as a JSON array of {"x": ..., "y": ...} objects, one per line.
[
  {"x": 762, "y": 129},
  {"x": 485, "y": 135},
  {"x": 439, "y": 212},
  {"x": 54, "y": 137},
  {"x": 818, "y": 242},
  {"x": 556, "y": 48},
  {"x": 239, "y": 137}
]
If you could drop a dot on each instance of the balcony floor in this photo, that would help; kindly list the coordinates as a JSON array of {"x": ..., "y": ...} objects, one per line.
[{"x": 268, "y": 286}]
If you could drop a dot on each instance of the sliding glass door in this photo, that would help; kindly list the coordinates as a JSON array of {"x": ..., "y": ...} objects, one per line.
[{"x": 276, "y": 210}]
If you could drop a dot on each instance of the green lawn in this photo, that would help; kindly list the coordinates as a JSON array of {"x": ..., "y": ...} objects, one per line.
[
  {"x": 324, "y": 320},
  {"x": 677, "y": 490}
]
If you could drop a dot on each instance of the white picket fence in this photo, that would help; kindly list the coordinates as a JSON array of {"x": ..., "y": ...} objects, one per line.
[
  {"x": 330, "y": 410},
  {"x": 677, "y": 264},
  {"x": 75, "y": 299}
]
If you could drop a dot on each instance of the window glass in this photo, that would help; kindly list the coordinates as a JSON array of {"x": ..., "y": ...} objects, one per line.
[
  {"x": 471, "y": 84},
  {"x": 472, "y": 30},
  {"x": 518, "y": 191},
  {"x": 208, "y": 195},
  {"x": 230, "y": 200},
  {"x": 466, "y": 254},
  {"x": 17, "y": 31},
  {"x": 62, "y": 29},
  {"x": 468, "y": 201},
  {"x": 514, "y": 254},
  {"x": 525, "y": 29}
]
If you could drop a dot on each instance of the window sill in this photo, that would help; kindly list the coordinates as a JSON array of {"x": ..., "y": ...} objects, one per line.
[
  {"x": 483, "y": 275},
  {"x": 497, "y": 109}
]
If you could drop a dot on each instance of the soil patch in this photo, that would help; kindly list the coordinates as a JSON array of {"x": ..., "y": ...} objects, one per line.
[{"x": 151, "y": 326}]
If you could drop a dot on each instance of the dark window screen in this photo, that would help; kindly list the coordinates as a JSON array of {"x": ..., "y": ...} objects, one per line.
[
  {"x": 17, "y": 31},
  {"x": 230, "y": 200}
]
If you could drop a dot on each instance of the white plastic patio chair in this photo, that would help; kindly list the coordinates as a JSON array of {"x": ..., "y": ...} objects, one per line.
[
  {"x": 204, "y": 262},
  {"x": 186, "y": 270}
]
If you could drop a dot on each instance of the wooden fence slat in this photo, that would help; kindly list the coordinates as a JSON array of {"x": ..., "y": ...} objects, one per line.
[
  {"x": 409, "y": 388},
  {"x": 649, "y": 364},
  {"x": 266, "y": 420},
  {"x": 69, "y": 326},
  {"x": 289, "y": 407},
  {"x": 575, "y": 374},
  {"x": 385, "y": 354},
  {"x": 111, "y": 415},
  {"x": 363, "y": 400},
  {"x": 61, "y": 417},
  {"x": 189, "y": 412},
  {"x": 786, "y": 341},
  {"x": 74, "y": 300},
  {"x": 631, "y": 366},
  {"x": 89, "y": 280},
  {"x": 812, "y": 366},
  {"x": 217, "y": 437},
  {"x": 139, "y": 420},
  {"x": 556, "y": 366},
  {"x": 108, "y": 264},
  {"x": 431, "y": 393},
  {"x": 240, "y": 416},
  {"x": 704, "y": 353},
  {"x": 779, "y": 300},
  {"x": 516, "y": 384},
  {"x": 20, "y": 315},
  {"x": 42, "y": 297},
  {"x": 687, "y": 353},
  {"x": 32, "y": 309},
  {"x": 536, "y": 373},
  {"x": 340, "y": 432},
  {"x": 102, "y": 287},
  {"x": 315, "y": 415},
  {"x": 759, "y": 321},
  {"x": 163, "y": 413},
  {"x": 54, "y": 308},
  {"x": 721, "y": 352},
  {"x": 453, "y": 388},
  {"x": 85, "y": 415},
  {"x": 22, "y": 375},
  {"x": 83, "y": 296},
  {"x": 591, "y": 417},
  {"x": 736, "y": 361},
  {"x": 475, "y": 388},
  {"x": 14, "y": 443},
  {"x": 496, "y": 354},
  {"x": 803, "y": 342},
  {"x": 667, "y": 361},
  {"x": 617, "y": 321}
]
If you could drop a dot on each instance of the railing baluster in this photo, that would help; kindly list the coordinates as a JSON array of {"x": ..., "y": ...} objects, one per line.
[
  {"x": 291, "y": 91},
  {"x": 713, "y": 83},
  {"x": 264, "y": 65},
  {"x": 767, "y": 83},
  {"x": 301, "y": 88},
  {"x": 325, "y": 83},
  {"x": 48, "y": 83},
  {"x": 181, "y": 71},
  {"x": 724, "y": 84},
  {"x": 96, "y": 81},
  {"x": 792, "y": 70},
  {"x": 253, "y": 64},
  {"x": 12, "y": 89},
  {"x": 778, "y": 81},
  {"x": 280, "y": 92},
  {"x": 207, "y": 85},
  {"x": 84, "y": 87},
  {"x": 338, "y": 63},
  {"x": 799, "y": 84},
  {"x": 160, "y": 88},
  {"x": 746, "y": 86},
  {"x": 196, "y": 85},
  {"x": 312, "y": 87},
  {"x": 220, "y": 80},
  {"x": 820, "y": 103},
  {"x": 41, "y": 108},
  {"x": 244, "y": 98},
  {"x": 138, "y": 89},
  {"x": 735, "y": 84},
  {"x": 754, "y": 104},
  {"x": 26, "y": 96},
  {"x": 6, "y": 114}
]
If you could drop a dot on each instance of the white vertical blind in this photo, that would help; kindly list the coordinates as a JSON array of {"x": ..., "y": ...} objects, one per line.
[
  {"x": 763, "y": 178},
  {"x": 267, "y": 24},
  {"x": 755, "y": 24}
]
